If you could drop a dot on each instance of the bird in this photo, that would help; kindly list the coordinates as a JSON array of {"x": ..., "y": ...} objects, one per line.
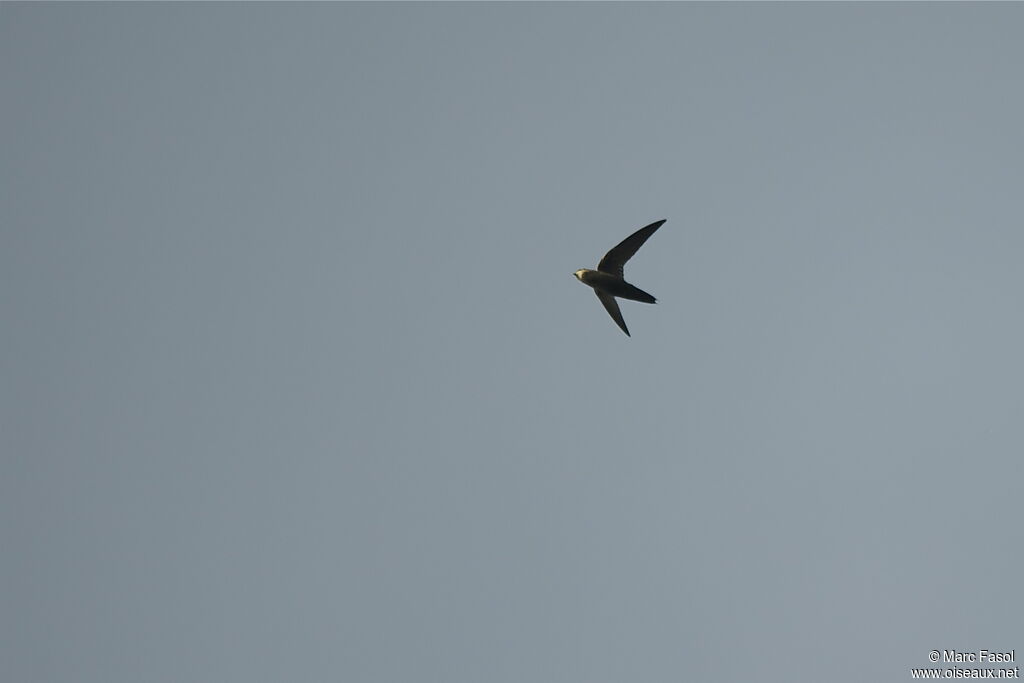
[{"x": 608, "y": 281}]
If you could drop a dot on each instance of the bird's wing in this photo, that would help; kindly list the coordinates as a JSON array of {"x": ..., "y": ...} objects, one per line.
[
  {"x": 612, "y": 306},
  {"x": 615, "y": 259}
]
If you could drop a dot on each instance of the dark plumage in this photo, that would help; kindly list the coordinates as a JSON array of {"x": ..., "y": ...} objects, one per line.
[{"x": 608, "y": 281}]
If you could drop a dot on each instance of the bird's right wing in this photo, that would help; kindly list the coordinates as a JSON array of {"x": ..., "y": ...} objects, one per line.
[
  {"x": 612, "y": 306},
  {"x": 615, "y": 259}
]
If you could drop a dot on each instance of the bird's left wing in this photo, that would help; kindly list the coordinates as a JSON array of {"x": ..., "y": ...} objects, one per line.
[{"x": 615, "y": 259}]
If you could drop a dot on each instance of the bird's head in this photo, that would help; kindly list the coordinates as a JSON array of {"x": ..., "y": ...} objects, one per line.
[{"x": 579, "y": 273}]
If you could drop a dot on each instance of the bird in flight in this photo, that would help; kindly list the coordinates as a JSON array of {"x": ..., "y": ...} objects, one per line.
[{"x": 607, "y": 280}]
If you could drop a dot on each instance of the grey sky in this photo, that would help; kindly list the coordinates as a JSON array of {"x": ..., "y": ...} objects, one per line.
[{"x": 297, "y": 384}]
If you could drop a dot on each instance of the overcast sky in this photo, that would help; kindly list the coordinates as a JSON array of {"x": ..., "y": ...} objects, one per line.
[{"x": 297, "y": 384}]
